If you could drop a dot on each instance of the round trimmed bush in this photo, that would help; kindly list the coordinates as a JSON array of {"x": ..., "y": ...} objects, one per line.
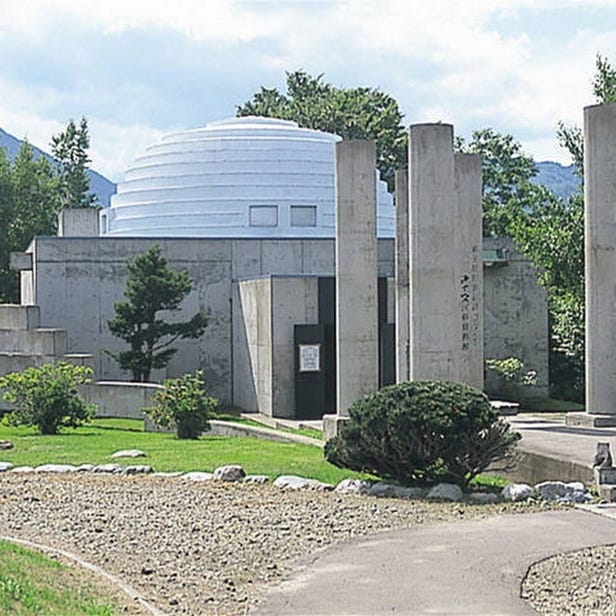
[{"x": 422, "y": 432}]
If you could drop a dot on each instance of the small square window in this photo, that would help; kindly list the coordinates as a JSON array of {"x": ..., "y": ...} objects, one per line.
[
  {"x": 263, "y": 215},
  {"x": 303, "y": 216}
]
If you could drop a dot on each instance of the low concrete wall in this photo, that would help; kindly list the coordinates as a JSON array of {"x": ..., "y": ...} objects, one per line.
[
  {"x": 119, "y": 398},
  {"x": 15, "y": 316}
]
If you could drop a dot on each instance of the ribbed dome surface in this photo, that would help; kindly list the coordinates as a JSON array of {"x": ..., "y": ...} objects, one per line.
[{"x": 242, "y": 177}]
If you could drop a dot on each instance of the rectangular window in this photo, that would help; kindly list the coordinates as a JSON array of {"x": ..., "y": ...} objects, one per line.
[
  {"x": 303, "y": 216},
  {"x": 263, "y": 215}
]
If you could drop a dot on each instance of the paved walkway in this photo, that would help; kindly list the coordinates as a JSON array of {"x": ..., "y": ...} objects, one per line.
[{"x": 471, "y": 567}]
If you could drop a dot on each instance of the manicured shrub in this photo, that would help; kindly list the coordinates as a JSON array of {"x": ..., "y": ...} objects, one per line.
[
  {"x": 183, "y": 403},
  {"x": 422, "y": 432},
  {"x": 47, "y": 397}
]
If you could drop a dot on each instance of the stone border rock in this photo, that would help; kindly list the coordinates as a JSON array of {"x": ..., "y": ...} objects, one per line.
[
  {"x": 553, "y": 491},
  {"x": 131, "y": 592}
]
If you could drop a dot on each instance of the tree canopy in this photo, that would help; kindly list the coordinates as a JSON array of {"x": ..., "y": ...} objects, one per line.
[
  {"x": 70, "y": 149},
  {"x": 352, "y": 113},
  {"x": 32, "y": 193}
]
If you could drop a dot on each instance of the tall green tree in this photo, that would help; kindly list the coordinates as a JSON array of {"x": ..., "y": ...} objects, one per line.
[
  {"x": 507, "y": 173},
  {"x": 70, "y": 149},
  {"x": 151, "y": 288},
  {"x": 33, "y": 191},
  {"x": 29, "y": 203},
  {"x": 352, "y": 113}
]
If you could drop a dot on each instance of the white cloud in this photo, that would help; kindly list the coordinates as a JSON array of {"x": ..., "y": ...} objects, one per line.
[{"x": 443, "y": 60}]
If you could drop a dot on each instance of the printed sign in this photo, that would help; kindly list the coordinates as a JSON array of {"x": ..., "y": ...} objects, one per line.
[{"x": 309, "y": 357}]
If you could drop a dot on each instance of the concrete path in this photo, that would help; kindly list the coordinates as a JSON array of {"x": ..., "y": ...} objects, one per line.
[{"x": 473, "y": 567}]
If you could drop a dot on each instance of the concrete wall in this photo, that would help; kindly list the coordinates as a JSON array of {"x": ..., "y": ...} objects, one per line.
[
  {"x": 78, "y": 222},
  {"x": 515, "y": 313},
  {"x": 76, "y": 281},
  {"x": 119, "y": 399},
  {"x": 252, "y": 360},
  {"x": 263, "y": 350}
]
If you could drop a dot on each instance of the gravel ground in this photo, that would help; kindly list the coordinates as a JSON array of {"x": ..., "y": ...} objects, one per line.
[
  {"x": 576, "y": 583},
  {"x": 200, "y": 547}
]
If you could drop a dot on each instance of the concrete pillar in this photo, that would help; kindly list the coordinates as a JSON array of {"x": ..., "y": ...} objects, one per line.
[
  {"x": 470, "y": 274},
  {"x": 356, "y": 273},
  {"x": 402, "y": 276},
  {"x": 600, "y": 253},
  {"x": 434, "y": 307}
]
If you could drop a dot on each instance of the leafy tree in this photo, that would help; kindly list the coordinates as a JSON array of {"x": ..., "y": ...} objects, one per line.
[
  {"x": 184, "y": 404},
  {"x": 352, "y": 113},
  {"x": 152, "y": 287},
  {"x": 507, "y": 173},
  {"x": 29, "y": 205},
  {"x": 47, "y": 397},
  {"x": 33, "y": 191},
  {"x": 70, "y": 149}
]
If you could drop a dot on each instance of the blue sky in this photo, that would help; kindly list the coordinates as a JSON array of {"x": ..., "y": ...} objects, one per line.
[{"x": 138, "y": 69}]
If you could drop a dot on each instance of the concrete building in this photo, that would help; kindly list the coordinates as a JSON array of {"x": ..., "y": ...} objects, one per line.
[{"x": 268, "y": 288}]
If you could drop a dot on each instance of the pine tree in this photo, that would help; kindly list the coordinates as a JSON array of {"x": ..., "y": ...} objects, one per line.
[{"x": 152, "y": 287}]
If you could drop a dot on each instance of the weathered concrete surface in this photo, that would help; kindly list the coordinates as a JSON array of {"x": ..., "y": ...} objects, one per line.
[
  {"x": 17, "y": 317},
  {"x": 435, "y": 321},
  {"x": 515, "y": 316},
  {"x": 77, "y": 282},
  {"x": 79, "y": 222},
  {"x": 469, "y": 236},
  {"x": 600, "y": 253},
  {"x": 119, "y": 398},
  {"x": 402, "y": 276},
  {"x": 471, "y": 567},
  {"x": 357, "y": 362}
]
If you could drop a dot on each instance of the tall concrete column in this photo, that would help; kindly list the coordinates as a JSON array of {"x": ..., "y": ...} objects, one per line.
[
  {"x": 434, "y": 307},
  {"x": 356, "y": 273},
  {"x": 402, "y": 276},
  {"x": 600, "y": 253},
  {"x": 470, "y": 274}
]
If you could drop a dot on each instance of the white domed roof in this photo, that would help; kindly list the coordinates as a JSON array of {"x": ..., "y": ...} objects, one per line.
[{"x": 242, "y": 177}]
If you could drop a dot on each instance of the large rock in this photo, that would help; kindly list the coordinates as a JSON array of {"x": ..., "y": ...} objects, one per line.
[
  {"x": 22, "y": 469},
  {"x": 129, "y": 453},
  {"x": 5, "y": 466},
  {"x": 137, "y": 469},
  {"x": 517, "y": 492},
  {"x": 293, "y": 482},
  {"x": 55, "y": 468},
  {"x": 197, "y": 476},
  {"x": 107, "y": 468},
  {"x": 572, "y": 492},
  {"x": 353, "y": 486},
  {"x": 446, "y": 491},
  {"x": 6, "y": 445},
  {"x": 231, "y": 472},
  {"x": 551, "y": 490}
]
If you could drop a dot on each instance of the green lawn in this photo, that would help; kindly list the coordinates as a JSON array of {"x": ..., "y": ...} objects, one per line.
[
  {"x": 96, "y": 442},
  {"x": 31, "y": 583}
]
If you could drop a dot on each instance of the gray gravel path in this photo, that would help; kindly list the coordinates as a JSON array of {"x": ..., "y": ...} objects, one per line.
[{"x": 201, "y": 548}]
